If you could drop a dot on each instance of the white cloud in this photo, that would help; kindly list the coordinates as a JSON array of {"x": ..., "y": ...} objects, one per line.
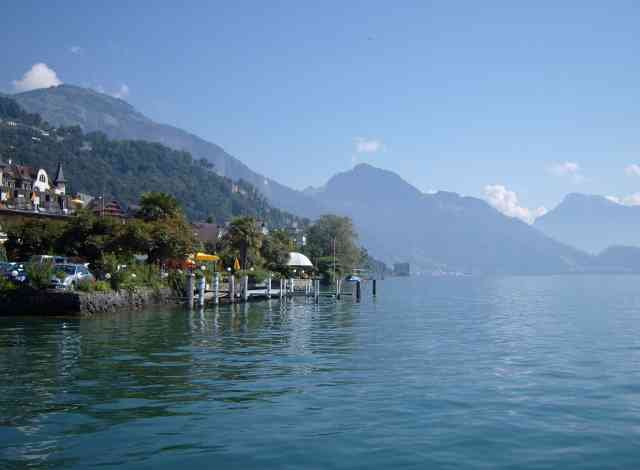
[
  {"x": 122, "y": 92},
  {"x": 364, "y": 145},
  {"x": 565, "y": 168},
  {"x": 630, "y": 200},
  {"x": 38, "y": 76},
  {"x": 507, "y": 202},
  {"x": 77, "y": 50},
  {"x": 569, "y": 169},
  {"x": 632, "y": 170}
]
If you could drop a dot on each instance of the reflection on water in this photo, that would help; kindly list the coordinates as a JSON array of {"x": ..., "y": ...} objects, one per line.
[{"x": 473, "y": 372}]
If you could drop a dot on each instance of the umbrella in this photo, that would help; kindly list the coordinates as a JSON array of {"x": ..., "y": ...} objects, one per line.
[{"x": 206, "y": 257}]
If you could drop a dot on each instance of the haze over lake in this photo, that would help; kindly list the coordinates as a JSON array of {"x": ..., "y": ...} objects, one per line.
[{"x": 477, "y": 372}]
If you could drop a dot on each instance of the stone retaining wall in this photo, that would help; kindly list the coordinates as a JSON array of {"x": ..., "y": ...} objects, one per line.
[{"x": 79, "y": 303}]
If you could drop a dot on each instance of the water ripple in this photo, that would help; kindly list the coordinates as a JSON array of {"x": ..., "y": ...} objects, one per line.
[{"x": 513, "y": 372}]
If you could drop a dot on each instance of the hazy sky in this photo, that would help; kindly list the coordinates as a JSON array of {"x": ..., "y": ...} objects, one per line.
[{"x": 541, "y": 99}]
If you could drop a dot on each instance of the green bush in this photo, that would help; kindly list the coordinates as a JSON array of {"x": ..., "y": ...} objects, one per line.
[
  {"x": 40, "y": 274},
  {"x": 147, "y": 275},
  {"x": 257, "y": 277},
  {"x": 102, "y": 286},
  {"x": 85, "y": 285},
  {"x": 116, "y": 279},
  {"x": 107, "y": 264},
  {"x": 178, "y": 283},
  {"x": 6, "y": 285},
  {"x": 129, "y": 283}
]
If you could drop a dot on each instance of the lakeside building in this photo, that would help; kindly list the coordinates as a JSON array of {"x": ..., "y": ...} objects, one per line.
[
  {"x": 401, "y": 269},
  {"x": 107, "y": 208},
  {"x": 25, "y": 188}
]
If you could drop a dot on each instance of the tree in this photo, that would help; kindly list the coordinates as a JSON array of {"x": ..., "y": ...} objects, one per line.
[
  {"x": 32, "y": 237},
  {"x": 170, "y": 239},
  {"x": 275, "y": 251},
  {"x": 244, "y": 240},
  {"x": 133, "y": 238},
  {"x": 333, "y": 232},
  {"x": 88, "y": 236},
  {"x": 157, "y": 206}
]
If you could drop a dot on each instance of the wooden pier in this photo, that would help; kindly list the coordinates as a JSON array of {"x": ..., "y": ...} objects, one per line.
[{"x": 236, "y": 290}]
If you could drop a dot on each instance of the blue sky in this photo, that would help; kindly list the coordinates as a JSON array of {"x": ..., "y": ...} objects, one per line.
[{"x": 533, "y": 100}]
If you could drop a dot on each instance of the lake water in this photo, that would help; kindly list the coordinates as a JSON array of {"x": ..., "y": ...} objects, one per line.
[{"x": 512, "y": 372}]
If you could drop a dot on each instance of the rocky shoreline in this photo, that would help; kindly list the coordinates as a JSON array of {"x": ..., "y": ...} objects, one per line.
[{"x": 51, "y": 302}]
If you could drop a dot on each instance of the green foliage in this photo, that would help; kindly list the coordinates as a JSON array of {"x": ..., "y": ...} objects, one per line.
[
  {"x": 86, "y": 285},
  {"x": 102, "y": 286},
  {"x": 170, "y": 239},
  {"x": 33, "y": 237},
  {"x": 375, "y": 268},
  {"x": 40, "y": 274},
  {"x": 127, "y": 169},
  {"x": 243, "y": 240},
  {"x": 135, "y": 276},
  {"x": 100, "y": 239},
  {"x": 117, "y": 279},
  {"x": 9, "y": 109},
  {"x": 258, "y": 276},
  {"x": 107, "y": 264},
  {"x": 6, "y": 285},
  {"x": 177, "y": 281},
  {"x": 88, "y": 236},
  {"x": 275, "y": 251},
  {"x": 3, "y": 253},
  {"x": 328, "y": 232},
  {"x": 158, "y": 206}
]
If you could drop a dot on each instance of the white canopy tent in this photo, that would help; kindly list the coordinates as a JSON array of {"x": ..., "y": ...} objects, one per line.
[{"x": 298, "y": 260}]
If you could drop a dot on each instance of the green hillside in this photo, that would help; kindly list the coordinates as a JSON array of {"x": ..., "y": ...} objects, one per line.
[{"x": 124, "y": 169}]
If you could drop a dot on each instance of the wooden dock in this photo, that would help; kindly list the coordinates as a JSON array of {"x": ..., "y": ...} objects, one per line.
[{"x": 240, "y": 290}]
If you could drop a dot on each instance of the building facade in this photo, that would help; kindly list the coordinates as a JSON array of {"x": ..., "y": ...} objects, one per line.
[{"x": 25, "y": 188}]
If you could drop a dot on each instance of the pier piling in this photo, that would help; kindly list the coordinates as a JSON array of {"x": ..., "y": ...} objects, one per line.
[
  {"x": 216, "y": 288},
  {"x": 190, "y": 289},
  {"x": 232, "y": 288},
  {"x": 245, "y": 288},
  {"x": 202, "y": 282}
]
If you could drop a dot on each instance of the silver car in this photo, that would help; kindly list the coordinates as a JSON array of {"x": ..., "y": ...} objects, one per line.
[{"x": 69, "y": 275}]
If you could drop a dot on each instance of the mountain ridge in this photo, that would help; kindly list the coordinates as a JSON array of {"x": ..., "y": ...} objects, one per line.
[
  {"x": 592, "y": 222},
  {"x": 70, "y": 105},
  {"x": 442, "y": 232}
]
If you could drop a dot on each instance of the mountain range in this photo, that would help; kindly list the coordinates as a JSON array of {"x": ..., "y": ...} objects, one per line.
[
  {"x": 592, "y": 223},
  {"x": 441, "y": 232},
  {"x": 69, "y": 105}
]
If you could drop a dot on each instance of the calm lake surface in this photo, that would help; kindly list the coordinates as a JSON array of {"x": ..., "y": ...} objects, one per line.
[{"x": 513, "y": 372}]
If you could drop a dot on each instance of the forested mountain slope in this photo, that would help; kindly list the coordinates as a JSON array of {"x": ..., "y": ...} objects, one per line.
[{"x": 124, "y": 169}]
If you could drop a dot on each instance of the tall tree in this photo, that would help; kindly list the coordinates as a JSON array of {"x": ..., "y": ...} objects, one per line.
[
  {"x": 330, "y": 233},
  {"x": 157, "y": 206},
  {"x": 244, "y": 240},
  {"x": 275, "y": 250}
]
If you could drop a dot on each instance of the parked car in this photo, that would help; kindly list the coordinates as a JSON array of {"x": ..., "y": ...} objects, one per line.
[
  {"x": 50, "y": 258},
  {"x": 69, "y": 275}
]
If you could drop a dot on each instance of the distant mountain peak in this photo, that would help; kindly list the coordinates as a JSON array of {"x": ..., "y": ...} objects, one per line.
[{"x": 592, "y": 222}]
